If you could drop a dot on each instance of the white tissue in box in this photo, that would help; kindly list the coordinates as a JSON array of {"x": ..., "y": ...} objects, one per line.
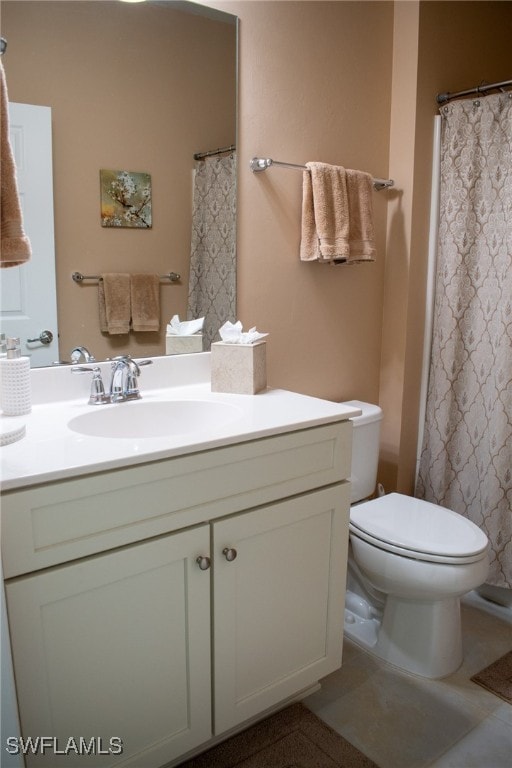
[
  {"x": 183, "y": 345},
  {"x": 239, "y": 369}
]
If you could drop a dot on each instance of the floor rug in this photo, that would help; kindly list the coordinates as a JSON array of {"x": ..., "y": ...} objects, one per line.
[
  {"x": 292, "y": 738},
  {"x": 497, "y": 678}
]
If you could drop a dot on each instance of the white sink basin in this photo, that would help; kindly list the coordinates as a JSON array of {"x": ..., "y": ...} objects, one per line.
[{"x": 139, "y": 419}]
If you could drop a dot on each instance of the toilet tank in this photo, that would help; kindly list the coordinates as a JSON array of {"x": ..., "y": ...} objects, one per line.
[{"x": 365, "y": 449}]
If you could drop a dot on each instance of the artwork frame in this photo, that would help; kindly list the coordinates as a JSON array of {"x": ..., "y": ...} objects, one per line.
[{"x": 126, "y": 199}]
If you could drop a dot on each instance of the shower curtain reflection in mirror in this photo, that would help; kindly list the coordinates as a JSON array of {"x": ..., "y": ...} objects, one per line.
[
  {"x": 212, "y": 282},
  {"x": 466, "y": 460}
]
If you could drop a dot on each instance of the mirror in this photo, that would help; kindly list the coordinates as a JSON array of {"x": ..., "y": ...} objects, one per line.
[{"x": 136, "y": 87}]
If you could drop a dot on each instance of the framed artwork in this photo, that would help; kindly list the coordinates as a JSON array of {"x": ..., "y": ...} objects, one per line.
[{"x": 125, "y": 199}]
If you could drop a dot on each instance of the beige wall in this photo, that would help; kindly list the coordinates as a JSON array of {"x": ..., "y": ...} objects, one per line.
[
  {"x": 131, "y": 88},
  {"x": 349, "y": 83},
  {"x": 315, "y": 84},
  {"x": 398, "y": 246},
  {"x": 352, "y": 83}
]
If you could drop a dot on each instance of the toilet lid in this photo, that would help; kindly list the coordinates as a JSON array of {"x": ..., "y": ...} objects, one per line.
[{"x": 420, "y": 528}]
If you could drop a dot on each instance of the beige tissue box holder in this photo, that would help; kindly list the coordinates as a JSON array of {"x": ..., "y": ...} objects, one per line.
[
  {"x": 239, "y": 369},
  {"x": 183, "y": 345}
]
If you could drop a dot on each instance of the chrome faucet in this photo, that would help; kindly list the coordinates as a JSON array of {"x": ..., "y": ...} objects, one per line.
[
  {"x": 123, "y": 383},
  {"x": 81, "y": 352}
]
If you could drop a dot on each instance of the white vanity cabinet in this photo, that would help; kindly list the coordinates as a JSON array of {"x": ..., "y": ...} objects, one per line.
[
  {"x": 116, "y": 647},
  {"x": 168, "y": 603},
  {"x": 277, "y": 623}
]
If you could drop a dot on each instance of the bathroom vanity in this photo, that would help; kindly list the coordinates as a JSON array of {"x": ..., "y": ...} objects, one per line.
[{"x": 164, "y": 591}]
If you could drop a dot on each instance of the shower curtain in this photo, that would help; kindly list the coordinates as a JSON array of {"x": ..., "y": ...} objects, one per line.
[
  {"x": 212, "y": 282},
  {"x": 466, "y": 459}
]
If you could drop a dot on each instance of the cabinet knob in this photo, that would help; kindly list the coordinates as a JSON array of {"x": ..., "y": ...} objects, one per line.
[
  {"x": 229, "y": 553},
  {"x": 203, "y": 562}
]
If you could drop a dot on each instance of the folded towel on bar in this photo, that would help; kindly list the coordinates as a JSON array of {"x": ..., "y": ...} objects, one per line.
[
  {"x": 145, "y": 300},
  {"x": 337, "y": 215},
  {"x": 14, "y": 244},
  {"x": 360, "y": 212},
  {"x": 114, "y": 303}
]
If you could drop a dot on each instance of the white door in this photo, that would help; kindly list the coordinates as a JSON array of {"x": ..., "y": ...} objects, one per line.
[
  {"x": 28, "y": 292},
  {"x": 278, "y": 619},
  {"x": 116, "y": 647}
]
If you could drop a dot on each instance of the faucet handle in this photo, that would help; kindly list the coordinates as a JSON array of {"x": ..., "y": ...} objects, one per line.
[
  {"x": 133, "y": 371},
  {"x": 97, "y": 396},
  {"x": 139, "y": 363}
]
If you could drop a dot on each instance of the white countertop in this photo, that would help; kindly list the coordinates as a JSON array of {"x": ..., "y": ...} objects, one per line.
[{"x": 52, "y": 451}]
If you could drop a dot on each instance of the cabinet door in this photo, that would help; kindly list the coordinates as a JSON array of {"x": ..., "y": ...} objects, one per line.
[
  {"x": 278, "y": 619},
  {"x": 116, "y": 647}
]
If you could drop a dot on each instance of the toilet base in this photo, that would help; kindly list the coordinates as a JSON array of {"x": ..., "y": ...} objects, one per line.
[{"x": 423, "y": 638}]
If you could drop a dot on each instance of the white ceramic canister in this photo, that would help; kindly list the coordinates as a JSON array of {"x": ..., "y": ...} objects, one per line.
[{"x": 15, "y": 385}]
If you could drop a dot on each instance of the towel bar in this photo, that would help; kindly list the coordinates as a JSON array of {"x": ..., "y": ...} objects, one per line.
[
  {"x": 258, "y": 164},
  {"x": 173, "y": 277}
]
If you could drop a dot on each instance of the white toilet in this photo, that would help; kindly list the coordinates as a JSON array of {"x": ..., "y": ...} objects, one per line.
[{"x": 409, "y": 563}]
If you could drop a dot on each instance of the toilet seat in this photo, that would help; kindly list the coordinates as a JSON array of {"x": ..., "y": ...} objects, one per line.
[{"x": 418, "y": 529}]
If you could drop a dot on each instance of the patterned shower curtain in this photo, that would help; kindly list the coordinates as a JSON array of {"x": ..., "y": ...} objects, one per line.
[
  {"x": 212, "y": 282},
  {"x": 466, "y": 461}
]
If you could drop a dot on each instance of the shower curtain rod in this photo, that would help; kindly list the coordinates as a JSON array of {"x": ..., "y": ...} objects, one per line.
[
  {"x": 219, "y": 151},
  {"x": 258, "y": 164},
  {"x": 442, "y": 98}
]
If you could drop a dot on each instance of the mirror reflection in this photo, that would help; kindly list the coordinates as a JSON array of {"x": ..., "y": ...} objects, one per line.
[{"x": 136, "y": 88}]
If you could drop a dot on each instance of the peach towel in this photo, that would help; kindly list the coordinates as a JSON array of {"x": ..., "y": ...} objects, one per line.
[
  {"x": 337, "y": 215},
  {"x": 145, "y": 302},
  {"x": 114, "y": 303},
  {"x": 14, "y": 244}
]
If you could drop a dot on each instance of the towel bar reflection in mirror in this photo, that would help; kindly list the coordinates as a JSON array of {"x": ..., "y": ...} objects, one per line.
[{"x": 173, "y": 277}]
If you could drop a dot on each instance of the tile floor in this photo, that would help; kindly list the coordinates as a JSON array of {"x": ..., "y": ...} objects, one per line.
[{"x": 403, "y": 721}]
